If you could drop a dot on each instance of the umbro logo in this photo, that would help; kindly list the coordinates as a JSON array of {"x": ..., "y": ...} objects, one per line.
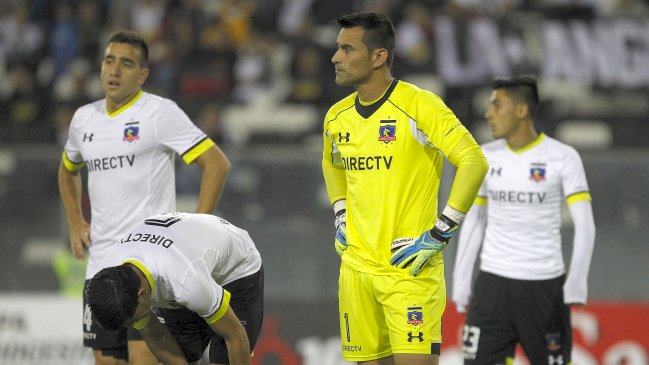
[
  {"x": 343, "y": 137},
  {"x": 88, "y": 137}
]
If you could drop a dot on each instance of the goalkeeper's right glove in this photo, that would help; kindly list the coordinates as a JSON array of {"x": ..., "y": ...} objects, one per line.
[{"x": 341, "y": 232}]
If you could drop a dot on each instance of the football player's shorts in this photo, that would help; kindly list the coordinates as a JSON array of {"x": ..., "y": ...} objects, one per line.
[
  {"x": 193, "y": 333},
  {"x": 381, "y": 315},
  {"x": 504, "y": 312},
  {"x": 111, "y": 344}
]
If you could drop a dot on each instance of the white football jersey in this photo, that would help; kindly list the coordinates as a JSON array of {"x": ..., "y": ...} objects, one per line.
[
  {"x": 524, "y": 191},
  {"x": 129, "y": 155},
  {"x": 187, "y": 258}
]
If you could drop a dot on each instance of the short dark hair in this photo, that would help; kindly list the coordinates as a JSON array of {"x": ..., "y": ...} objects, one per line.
[
  {"x": 112, "y": 295},
  {"x": 379, "y": 31},
  {"x": 134, "y": 39},
  {"x": 521, "y": 88}
]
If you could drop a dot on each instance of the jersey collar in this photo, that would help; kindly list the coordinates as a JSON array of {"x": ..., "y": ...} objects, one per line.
[
  {"x": 366, "y": 111},
  {"x": 146, "y": 272},
  {"x": 532, "y": 144},
  {"x": 125, "y": 106}
]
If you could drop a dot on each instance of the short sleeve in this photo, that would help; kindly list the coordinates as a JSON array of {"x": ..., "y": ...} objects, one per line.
[
  {"x": 574, "y": 177},
  {"x": 177, "y": 132},
  {"x": 200, "y": 293},
  {"x": 72, "y": 157}
]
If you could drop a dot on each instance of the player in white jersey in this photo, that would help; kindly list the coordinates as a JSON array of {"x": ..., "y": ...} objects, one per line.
[
  {"x": 128, "y": 142},
  {"x": 203, "y": 273},
  {"x": 521, "y": 293}
]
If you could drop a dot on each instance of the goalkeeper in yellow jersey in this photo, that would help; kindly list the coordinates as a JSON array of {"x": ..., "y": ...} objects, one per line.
[{"x": 382, "y": 162}]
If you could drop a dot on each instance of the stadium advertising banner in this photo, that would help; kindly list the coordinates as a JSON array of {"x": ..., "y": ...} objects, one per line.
[
  {"x": 598, "y": 52},
  {"x": 46, "y": 329},
  {"x": 41, "y": 329}
]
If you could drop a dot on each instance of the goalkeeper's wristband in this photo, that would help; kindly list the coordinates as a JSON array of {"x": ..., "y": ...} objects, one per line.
[
  {"x": 443, "y": 229},
  {"x": 341, "y": 218},
  {"x": 340, "y": 241}
]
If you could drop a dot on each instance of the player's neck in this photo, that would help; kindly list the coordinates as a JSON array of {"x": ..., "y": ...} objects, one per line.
[
  {"x": 371, "y": 90},
  {"x": 523, "y": 137},
  {"x": 113, "y": 105}
]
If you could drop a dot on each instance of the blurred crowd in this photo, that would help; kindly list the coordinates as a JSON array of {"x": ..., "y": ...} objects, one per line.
[{"x": 207, "y": 54}]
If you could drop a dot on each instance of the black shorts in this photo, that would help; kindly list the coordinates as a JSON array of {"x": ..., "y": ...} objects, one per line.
[
  {"x": 111, "y": 344},
  {"x": 504, "y": 312},
  {"x": 193, "y": 333}
]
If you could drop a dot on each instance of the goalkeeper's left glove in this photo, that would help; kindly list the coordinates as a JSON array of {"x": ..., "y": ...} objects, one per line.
[
  {"x": 341, "y": 231},
  {"x": 416, "y": 254}
]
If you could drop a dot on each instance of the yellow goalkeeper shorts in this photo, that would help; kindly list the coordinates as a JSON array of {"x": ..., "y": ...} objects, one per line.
[{"x": 381, "y": 315}]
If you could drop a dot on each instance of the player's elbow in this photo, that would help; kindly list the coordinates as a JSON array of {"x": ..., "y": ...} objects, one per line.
[
  {"x": 225, "y": 166},
  {"x": 215, "y": 160},
  {"x": 472, "y": 156},
  {"x": 477, "y": 162},
  {"x": 584, "y": 221}
]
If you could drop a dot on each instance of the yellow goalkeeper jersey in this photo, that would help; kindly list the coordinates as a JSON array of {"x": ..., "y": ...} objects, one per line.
[{"x": 386, "y": 158}]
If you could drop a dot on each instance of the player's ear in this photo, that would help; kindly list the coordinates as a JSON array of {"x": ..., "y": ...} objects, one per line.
[
  {"x": 144, "y": 74},
  {"x": 522, "y": 110},
  {"x": 380, "y": 57}
]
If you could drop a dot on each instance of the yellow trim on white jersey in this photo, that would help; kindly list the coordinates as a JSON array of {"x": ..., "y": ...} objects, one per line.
[
  {"x": 197, "y": 150},
  {"x": 71, "y": 166},
  {"x": 143, "y": 322},
  {"x": 525, "y": 191},
  {"x": 533, "y": 144},
  {"x": 578, "y": 197},
  {"x": 225, "y": 302},
  {"x": 480, "y": 200},
  {"x": 125, "y": 106},
  {"x": 145, "y": 271}
]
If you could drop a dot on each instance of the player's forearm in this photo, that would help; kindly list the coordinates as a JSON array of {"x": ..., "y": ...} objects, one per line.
[
  {"x": 216, "y": 169},
  {"x": 70, "y": 188},
  {"x": 468, "y": 247},
  {"x": 576, "y": 288},
  {"x": 335, "y": 181},
  {"x": 212, "y": 186},
  {"x": 229, "y": 327},
  {"x": 238, "y": 350},
  {"x": 471, "y": 170}
]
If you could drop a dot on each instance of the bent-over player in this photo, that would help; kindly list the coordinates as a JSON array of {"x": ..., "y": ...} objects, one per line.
[{"x": 204, "y": 276}]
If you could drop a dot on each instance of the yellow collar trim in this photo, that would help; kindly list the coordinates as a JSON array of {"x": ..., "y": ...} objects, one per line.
[
  {"x": 125, "y": 106},
  {"x": 533, "y": 144},
  {"x": 146, "y": 272}
]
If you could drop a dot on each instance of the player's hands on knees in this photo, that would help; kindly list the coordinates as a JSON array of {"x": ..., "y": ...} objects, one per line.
[
  {"x": 414, "y": 253},
  {"x": 341, "y": 232},
  {"x": 79, "y": 238}
]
